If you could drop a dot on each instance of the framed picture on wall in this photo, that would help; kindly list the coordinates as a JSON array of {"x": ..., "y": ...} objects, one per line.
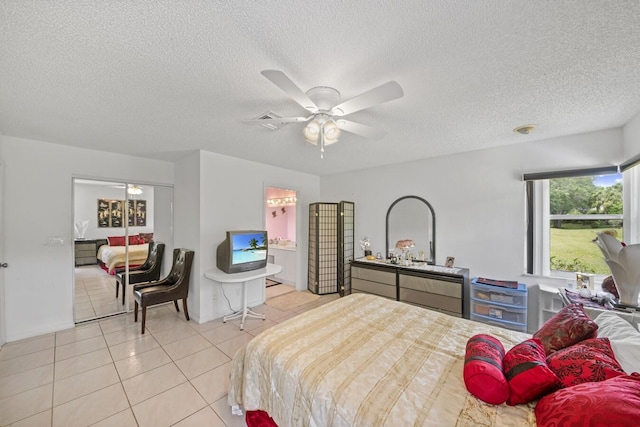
[
  {"x": 116, "y": 212},
  {"x": 141, "y": 213},
  {"x": 104, "y": 213},
  {"x": 111, "y": 213},
  {"x": 131, "y": 213}
]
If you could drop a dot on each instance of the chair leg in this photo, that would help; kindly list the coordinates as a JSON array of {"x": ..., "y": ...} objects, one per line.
[
  {"x": 117, "y": 287},
  {"x": 144, "y": 317},
  {"x": 135, "y": 312},
  {"x": 184, "y": 305},
  {"x": 123, "y": 291},
  {"x": 175, "y": 302}
]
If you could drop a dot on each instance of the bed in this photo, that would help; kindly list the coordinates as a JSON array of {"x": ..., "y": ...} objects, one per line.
[
  {"x": 114, "y": 257},
  {"x": 367, "y": 361}
]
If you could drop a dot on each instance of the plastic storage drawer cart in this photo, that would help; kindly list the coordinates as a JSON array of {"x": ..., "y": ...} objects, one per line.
[{"x": 500, "y": 306}]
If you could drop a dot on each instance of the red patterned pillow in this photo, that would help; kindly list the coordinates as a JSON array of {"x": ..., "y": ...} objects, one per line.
[
  {"x": 135, "y": 240},
  {"x": 613, "y": 402},
  {"x": 590, "y": 360},
  {"x": 116, "y": 240},
  {"x": 146, "y": 237},
  {"x": 259, "y": 419},
  {"x": 567, "y": 327},
  {"x": 482, "y": 373},
  {"x": 527, "y": 372}
]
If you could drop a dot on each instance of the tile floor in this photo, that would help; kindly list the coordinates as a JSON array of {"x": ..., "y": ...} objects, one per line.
[
  {"x": 95, "y": 293},
  {"x": 105, "y": 373}
]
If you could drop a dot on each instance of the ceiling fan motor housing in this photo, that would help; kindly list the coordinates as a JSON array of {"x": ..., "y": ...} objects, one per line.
[{"x": 324, "y": 97}]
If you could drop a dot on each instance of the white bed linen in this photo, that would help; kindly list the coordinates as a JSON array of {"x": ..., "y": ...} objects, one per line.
[
  {"x": 368, "y": 361},
  {"x": 115, "y": 256}
]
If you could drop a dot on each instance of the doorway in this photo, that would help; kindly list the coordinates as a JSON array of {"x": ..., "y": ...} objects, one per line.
[
  {"x": 281, "y": 225},
  {"x": 114, "y": 224}
]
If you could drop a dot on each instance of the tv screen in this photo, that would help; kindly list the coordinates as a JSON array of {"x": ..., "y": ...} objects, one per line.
[{"x": 243, "y": 250}]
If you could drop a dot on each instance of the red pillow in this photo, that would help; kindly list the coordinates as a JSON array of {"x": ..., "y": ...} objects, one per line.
[
  {"x": 146, "y": 237},
  {"x": 527, "y": 372},
  {"x": 613, "y": 402},
  {"x": 116, "y": 240},
  {"x": 567, "y": 327},
  {"x": 483, "y": 374},
  {"x": 259, "y": 419},
  {"x": 590, "y": 360},
  {"x": 135, "y": 240}
]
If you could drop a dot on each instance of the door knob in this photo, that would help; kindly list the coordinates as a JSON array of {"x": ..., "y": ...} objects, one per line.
[{"x": 4, "y": 265}]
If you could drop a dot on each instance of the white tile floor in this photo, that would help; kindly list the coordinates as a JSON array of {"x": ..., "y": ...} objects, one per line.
[{"x": 106, "y": 373}]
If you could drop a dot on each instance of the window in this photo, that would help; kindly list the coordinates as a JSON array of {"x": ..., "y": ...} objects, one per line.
[{"x": 565, "y": 211}]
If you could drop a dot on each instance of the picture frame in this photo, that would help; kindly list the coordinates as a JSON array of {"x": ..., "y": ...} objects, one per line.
[
  {"x": 449, "y": 262},
  {"x": 140, "y": 213},
  {"x": 104, "y": 213},
  {"x": 111, "y": 213},
  {"x": 116, "y": 213}
]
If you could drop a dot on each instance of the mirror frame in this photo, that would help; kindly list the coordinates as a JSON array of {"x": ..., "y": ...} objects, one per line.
[{"x": 433, "y": 231}]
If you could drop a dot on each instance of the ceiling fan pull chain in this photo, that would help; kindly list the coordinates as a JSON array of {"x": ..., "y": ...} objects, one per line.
[{"x": 322, "y": 139}]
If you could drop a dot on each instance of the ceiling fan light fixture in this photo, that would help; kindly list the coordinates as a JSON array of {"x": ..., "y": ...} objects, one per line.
[
  {"x": 134, "y": 190},
  {"x": 312, "y": 131},
  {"x": 331, "y": 132}
]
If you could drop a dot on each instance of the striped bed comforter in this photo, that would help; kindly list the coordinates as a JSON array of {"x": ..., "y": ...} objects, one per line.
[{"x": 367, "y": 361}]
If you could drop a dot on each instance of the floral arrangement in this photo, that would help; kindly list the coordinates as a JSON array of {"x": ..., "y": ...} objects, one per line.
[{"x": 365, "y": 245}]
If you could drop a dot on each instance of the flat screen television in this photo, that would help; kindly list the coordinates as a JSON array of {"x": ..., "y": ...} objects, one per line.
[{"x": 243, "y": 250}]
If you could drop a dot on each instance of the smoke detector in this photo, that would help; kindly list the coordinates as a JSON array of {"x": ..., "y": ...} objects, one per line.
[{"x": 525, "y": 129}]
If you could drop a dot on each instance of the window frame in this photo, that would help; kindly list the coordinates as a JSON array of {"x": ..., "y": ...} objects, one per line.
[{"x": 537, "y": 245}]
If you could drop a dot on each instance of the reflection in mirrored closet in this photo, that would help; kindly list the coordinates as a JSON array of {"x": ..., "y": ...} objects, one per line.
[{"x": 116, "y": 225}]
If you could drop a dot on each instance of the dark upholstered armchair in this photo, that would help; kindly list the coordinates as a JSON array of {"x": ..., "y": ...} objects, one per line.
[
  {"x": 172, "y": 288},
  {"x": 147, "y": 272}
]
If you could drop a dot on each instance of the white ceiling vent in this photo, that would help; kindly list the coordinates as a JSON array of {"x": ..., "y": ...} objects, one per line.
[{"x": 270, "y": 116}]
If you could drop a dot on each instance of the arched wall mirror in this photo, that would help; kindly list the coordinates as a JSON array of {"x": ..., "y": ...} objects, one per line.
[{"x": 412, "y": 218}]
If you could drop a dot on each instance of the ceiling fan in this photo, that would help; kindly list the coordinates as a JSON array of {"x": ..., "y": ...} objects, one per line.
[{"x": 325, "y": 122}]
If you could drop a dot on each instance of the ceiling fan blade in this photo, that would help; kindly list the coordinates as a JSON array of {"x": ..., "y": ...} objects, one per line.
[
  {"x": 359, "y": 129},
  {"x": 281, "y": 80},
  {"x": 277, "y": 120},
  {"x": 381, "y": 94}
]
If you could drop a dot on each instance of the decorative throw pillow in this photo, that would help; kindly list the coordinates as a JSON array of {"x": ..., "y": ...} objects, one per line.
[
  {"x": 146, "y": 237},
  {"x": 135, "y": 240},
  {"x": 482, "y": 373},
  {"x": 567, "y": 327},
  {"x": 116, "y": 240},
  {"x": 527, "y": 372},
  {"x": 613, "y": 402},
  {"x": 623, "y": 337},
  {"x": 259, "y": 419},
  {"x": 590, "y": 360}
]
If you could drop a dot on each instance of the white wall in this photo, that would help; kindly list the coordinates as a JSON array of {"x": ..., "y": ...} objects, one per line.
[
  {"x": 86, "y": 208},
  {"x": 631, "y": 136},
  {"x": 478, "y": 197},
  {"x": 231, "y": 198},
  {"x": 38, "y": 188}
]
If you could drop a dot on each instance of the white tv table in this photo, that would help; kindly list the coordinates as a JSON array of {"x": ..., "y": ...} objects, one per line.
[{"x": 218, "y": 275}]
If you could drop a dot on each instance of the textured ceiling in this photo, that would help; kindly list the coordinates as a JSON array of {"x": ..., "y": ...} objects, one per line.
[{"x": 161, "y": 78}]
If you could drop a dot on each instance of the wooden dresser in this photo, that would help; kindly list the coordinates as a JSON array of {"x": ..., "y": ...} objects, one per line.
[{"x": 433, "y": 287}]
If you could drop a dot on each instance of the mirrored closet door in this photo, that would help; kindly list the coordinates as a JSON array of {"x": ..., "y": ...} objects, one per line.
[{"x": 116, "y": 226}]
